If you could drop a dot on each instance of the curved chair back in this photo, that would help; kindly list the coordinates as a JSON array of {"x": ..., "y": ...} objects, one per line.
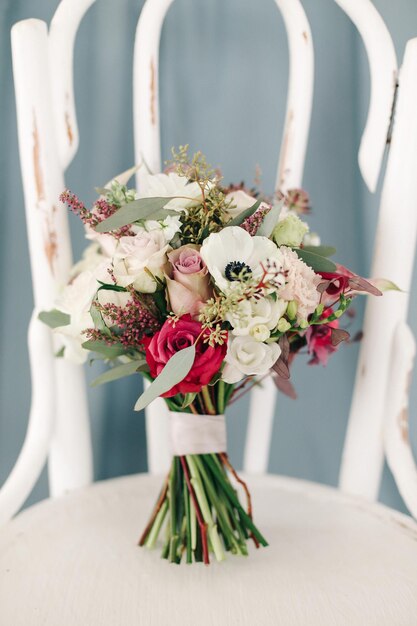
[{"x": 48, "y": 140}]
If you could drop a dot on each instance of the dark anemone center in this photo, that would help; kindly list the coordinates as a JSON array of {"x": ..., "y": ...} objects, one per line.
[{"x": 237, "y": 270}]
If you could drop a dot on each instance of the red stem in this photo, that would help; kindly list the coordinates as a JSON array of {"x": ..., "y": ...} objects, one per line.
[
  {"x": 235, "y": 397},
  {"x": 225, "y": 460},
  {"x": 201, "y": 523},
  {"x": 155, "y": 512}
]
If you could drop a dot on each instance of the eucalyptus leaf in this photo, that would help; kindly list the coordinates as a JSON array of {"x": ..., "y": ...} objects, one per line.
[
  {"x": 321, "y": 250},
  {"x": 237, "y": 221},
  {"x": 98, "y": 320},
  {"x": 120, "y": 371},
  {"x": 270, "y": 220},
  {"x": 383, "y": 284},
  {"x": 142, "y": 209},
  {"x": 315, "y": 261},
  {"x": 173, "y": 373},
  {"x": 108, "y": 351},
  {"x": 54, "y": 318}
]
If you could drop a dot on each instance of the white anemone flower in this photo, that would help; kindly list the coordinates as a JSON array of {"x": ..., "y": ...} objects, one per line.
[
  {"x": 233, "y": 255},
  {"x": 170, "y": 185}
]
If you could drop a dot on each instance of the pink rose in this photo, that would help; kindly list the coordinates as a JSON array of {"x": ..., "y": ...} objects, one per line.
[
  {"x": 179, "y": 335},
  {"x": 188, "y": 281}
]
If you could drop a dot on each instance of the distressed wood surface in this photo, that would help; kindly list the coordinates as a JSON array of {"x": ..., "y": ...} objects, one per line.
[
  {"x": 62, "y": 33},
  {"x": 300, "y": 95},
  {"x": 70, "y": 456},
  {"x": 382, "y": 60},
  {"x": 332, "y": 560},
  {"x": 34, "y": 452},
  {"x": 394, "y": 258},
  {"x": 398, "y": 449}
]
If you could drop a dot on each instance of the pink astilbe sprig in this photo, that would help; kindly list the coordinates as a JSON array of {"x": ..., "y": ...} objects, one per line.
[
  {"x": 128, "y": 323},
  {"x": 76, "y": 206},
  {"x": 101, "y": 211},
  {"x": 252, "y": 223}
]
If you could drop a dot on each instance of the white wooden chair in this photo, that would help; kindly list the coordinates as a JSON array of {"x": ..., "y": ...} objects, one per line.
[{"x": 334, "y": 558}]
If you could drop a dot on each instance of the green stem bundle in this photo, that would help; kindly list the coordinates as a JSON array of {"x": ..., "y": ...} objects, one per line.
[{"x": 203, "y": 510}]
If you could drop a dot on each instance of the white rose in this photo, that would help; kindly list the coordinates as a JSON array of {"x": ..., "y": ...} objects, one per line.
[
  {"x": 256, "y": 312},
  {"x": 246, "y": 356},
  {"x": 240, "y": 202},
  {"x": 169, "y": 186},
  {"x": 134, "y": 255},
  {"x": 170, "y": 226},
  {"x": 105, "y": 241},
  {"x": 75, "y": 300},
  {"x": 91, "y": 259},
  {"x": 260, "y": 332}
]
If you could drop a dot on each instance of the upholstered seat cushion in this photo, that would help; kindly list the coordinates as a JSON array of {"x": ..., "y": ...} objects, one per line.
[{"x": 332, "y": 560}]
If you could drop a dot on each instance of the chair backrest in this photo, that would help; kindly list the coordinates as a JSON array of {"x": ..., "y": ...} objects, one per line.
[
  {"x": 147, "y": 147},
  {"x": 48, "y": 140}
]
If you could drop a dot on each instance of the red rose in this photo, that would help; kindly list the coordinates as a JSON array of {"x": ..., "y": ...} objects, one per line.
[{"x": 179, "y": 335}]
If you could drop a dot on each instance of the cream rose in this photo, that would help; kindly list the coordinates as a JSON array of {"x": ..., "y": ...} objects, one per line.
[
  {"x": 240, "y": 201},
  {"x": 170, "y": 185},
  {"x": 135, "y": 255},
  {"x": 253, "y": 313},
  {"x": 246, "y": 356},
  {"x": 75, "y": 300}
]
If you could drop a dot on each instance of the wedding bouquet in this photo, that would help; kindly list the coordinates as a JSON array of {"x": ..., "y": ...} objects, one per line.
[{"x": 204, "y": 290}]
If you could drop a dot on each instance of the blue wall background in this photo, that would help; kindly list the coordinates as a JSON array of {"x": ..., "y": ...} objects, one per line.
[{"x": 223, "y": 90}]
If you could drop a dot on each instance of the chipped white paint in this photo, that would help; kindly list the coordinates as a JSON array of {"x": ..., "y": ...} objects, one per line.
[
  {"x": 146, "y": 83},
  {"x": 332, "y": 561},
  {"x": 70, "y": 462},
  {"x": 394, "y": 259},
  {"x": 35, "y": 449},
  {"x": 396, "y": 428},
  {"x": 383, "y": 74},
  {"x": 62, "y": 33},
  {"x": 300, "y": 95},
  {"x": 41, "y": 143}
]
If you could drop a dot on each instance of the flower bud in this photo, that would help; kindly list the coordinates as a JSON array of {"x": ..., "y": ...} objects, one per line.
[
  {"x": 260, "y": 332},
  {"x": 283, "y": 325},
  {"x": 292, "y": 309}
]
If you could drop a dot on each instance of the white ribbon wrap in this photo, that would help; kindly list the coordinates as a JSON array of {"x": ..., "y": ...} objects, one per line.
[{"x": 197, "y": 434}]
